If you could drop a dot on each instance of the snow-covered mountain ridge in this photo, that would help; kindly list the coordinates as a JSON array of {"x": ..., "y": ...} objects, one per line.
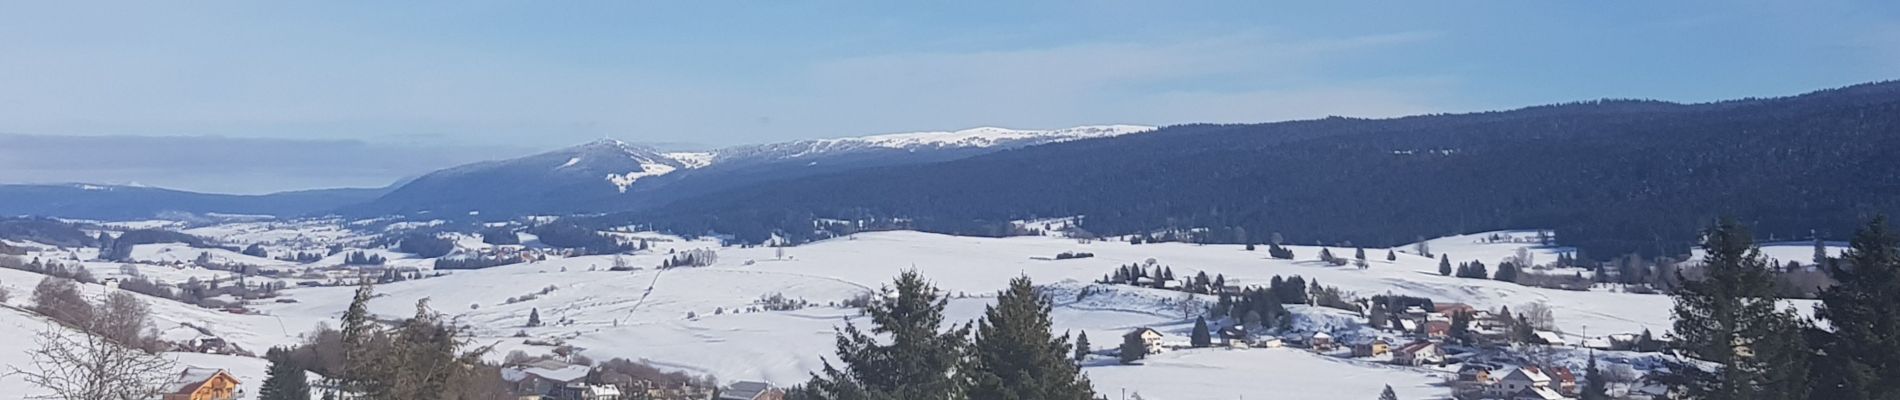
[
  {"x": 984, "y": 137},
  {"x": 655, "y": 163}
]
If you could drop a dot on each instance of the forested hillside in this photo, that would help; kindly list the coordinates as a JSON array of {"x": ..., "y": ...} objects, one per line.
[{"x": 1612, "y": 177}]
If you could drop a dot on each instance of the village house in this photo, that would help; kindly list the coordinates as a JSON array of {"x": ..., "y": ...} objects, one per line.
[
  {"x": 203, "y": 384},
  {"x": 1474, "y": 378},
  {"x": 748, "y": 390},
  {"x": 646, "y": 389},
  {"x": 1320, "y": 341},
  {"x": 601, "y": 392},
  {"x": 1562, "y": 379},
  {"x": 548, "y": 379},
  {"x": 1438, "y": 328},
  {"x": 1523, "y": 382},
  {"x": 1447, "y": 310},
  {"x": 1150, "y": 338},
  {"x": 1270, "y": 343},
  {"x": 1548, "y": 338},
  {"x": 1236, "y": 337},
  {"x": 1537, "y": 394},
  {"x": 1373, "y": 348},
  {"x": 1418, "y": 353}
]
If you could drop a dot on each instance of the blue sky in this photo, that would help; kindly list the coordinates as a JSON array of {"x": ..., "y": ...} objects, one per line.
[{"x": 538, "y": 75}]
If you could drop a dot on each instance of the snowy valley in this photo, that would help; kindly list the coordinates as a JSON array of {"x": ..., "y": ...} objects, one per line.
[{"x": 768, "y": 314}]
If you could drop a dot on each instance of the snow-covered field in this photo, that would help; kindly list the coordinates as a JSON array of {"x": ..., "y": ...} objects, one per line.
[
  {"x": 644, "y": 314},
  {"x": 1262, "y": 374}
]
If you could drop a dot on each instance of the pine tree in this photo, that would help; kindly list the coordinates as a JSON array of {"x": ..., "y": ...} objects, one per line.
[
  {"x": 1200, "y": 337},
  {"x": 1733, "y": 308},
  {"x": 1391, "y": 256},
  {"x": 359, "y": 358},
  {"x": 1444, "y": 265},
  {"x": 1359, "y": 253},
  {"x": 1081, "y": 346},
  {"x": 1820, "y": 248},
  {"x": 424, "y": 359},
  {"x": 1014, "y": 356},
  {"x": 534, "y": 317},
  {"x": 1647, "y": 342},
  {"x": 919, "y": 360},
  {"x": 1325, "y": 255},
  {"x": 1376, "y": 315},
  {"x": 1388, "y": 394},
  {"x": 1507, "y": 272},
  {"x": 285, "y": 380},
  {"x": 1132, "y": 349},
  {"x": 1461, "y": 327},
  {"x": 1864, "y": 309},
  {"x": 1595, "y": 386}
]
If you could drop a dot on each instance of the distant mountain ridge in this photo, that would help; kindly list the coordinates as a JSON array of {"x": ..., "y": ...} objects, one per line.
[
  {"x": 1611, "y": 176},
  {"x": 609, "y": 175},
  {"x": 599, "y": 176}
]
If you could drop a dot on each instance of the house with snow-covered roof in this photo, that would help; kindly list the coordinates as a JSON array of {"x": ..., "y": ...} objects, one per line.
[
  {"x": 602, "y": 392},
  {"x": 1537, "y": 394},
  {"x": 1515, "y": 381},
  {"x": 1549, "y": 338},
  {"x": 1320, "y": 341},
  {"x": 1236, "y": 337},
  {"x": 1371, "y": 348},
  {"x": 1418, "y": 353},
  {"x": 1150, "y": 338},
  {"x": 548, "y": 379},
  {"x": 748, "y": 390}
]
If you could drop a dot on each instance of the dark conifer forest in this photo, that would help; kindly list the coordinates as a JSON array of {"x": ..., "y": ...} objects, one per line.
[{"x": 1612, "y": 177}]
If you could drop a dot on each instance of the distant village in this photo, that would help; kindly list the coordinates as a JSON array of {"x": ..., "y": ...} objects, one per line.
[{"x": 1486, "y": 354}]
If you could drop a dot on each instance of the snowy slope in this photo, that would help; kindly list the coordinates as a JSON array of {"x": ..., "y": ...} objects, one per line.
[
  {"x": 604, "y": 313},
  {"x": 1261, "y": 373},
  {"x": 644, "y": 314}
]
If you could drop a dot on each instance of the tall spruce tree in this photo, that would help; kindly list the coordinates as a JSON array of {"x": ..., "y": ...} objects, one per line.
[
  {"x": 425, "y": 360},
  {"x": 1444, "y": 265},
  {"x": 1864, "y": 310},
  {"x": 1742, "y": 345},
  {"x": 1014, "y": 356},
  {"x": 1200, "y": 337},
  {"x": 1132, "y": 349},
  {"x": 359, "y": 340},
  {"x": 1595, "y": 386},
  {"x": 1081, "y": 346},
  {"x": 285, "y": 380},
  {"x": 917, "y": 362},
  {"x": 1388, "y": 394}
]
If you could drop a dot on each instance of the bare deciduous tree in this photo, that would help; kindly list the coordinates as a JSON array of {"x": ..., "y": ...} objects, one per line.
[
  {"x": 1540, "y": 317},
  {"x": 59, "y": 299},
  {"x": 125, "y": 320},
  {"x": 81, "y": 366}
]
